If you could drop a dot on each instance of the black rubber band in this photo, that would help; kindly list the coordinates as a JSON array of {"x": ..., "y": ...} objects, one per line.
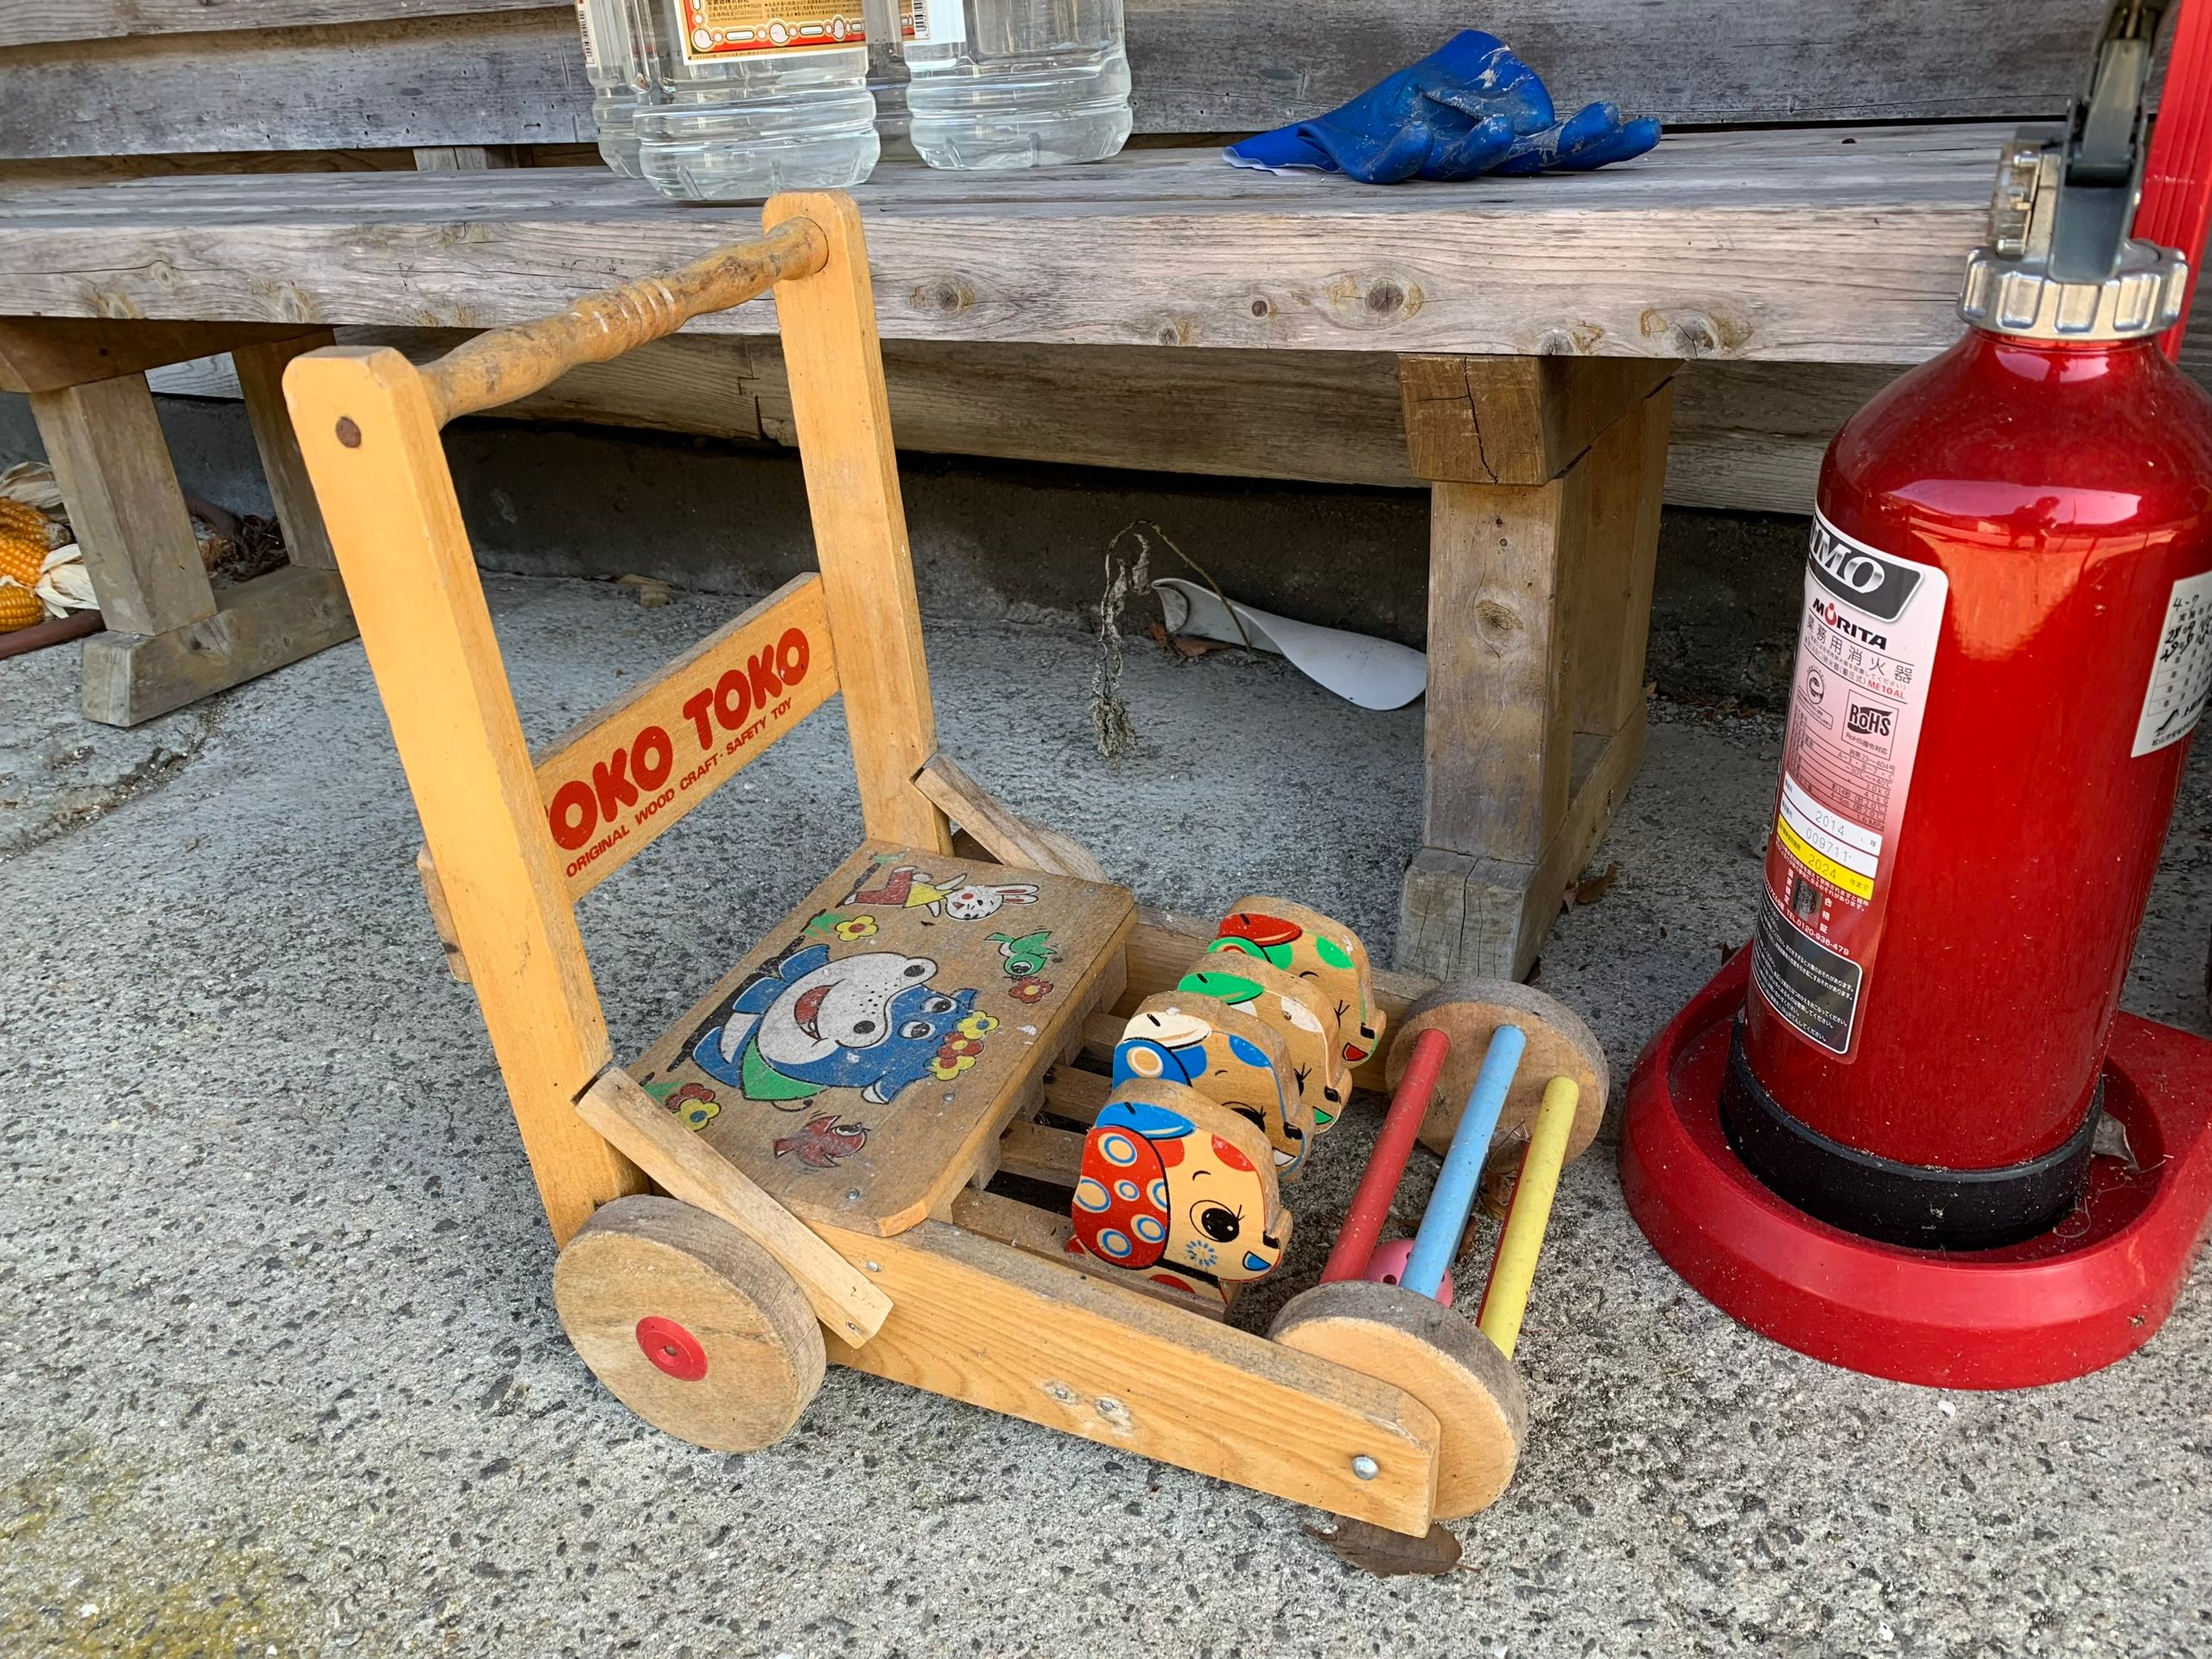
[{"x": 1899, "y": 1203}]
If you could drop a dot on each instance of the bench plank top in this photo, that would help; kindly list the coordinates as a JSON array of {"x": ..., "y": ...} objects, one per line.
[{"x": 1807, "y": 245}]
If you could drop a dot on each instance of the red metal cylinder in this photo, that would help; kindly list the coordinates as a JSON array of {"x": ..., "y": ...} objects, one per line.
[{"x": 2006, "y": 627}]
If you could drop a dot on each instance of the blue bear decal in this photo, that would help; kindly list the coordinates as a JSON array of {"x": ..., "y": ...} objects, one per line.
[{"x": 872, "y": 1022}]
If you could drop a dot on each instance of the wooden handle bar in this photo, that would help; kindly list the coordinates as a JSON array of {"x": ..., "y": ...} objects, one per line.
[{"x": 505, "y": 364}]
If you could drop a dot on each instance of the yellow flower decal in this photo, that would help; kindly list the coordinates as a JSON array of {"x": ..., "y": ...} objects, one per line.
[
  {"x": 694, "y": 1106},
  {"x": 978, "y": 1024},
  {"x": 949, "y": 1065},
  {"x": 856, "y": 927}
]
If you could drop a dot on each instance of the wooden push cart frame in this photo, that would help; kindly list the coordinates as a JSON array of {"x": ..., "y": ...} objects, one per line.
[{"x": 951, "y": 1288}]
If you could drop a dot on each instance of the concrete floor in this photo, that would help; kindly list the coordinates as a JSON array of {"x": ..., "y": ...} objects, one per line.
[{"x": 280, "y": 1373}]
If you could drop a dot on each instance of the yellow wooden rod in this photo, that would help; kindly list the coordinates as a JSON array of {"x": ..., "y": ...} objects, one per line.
[{"x": 1507, "y": 1298}]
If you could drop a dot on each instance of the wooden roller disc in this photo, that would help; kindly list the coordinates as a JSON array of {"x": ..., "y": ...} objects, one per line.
[
  {"x": 1435, "y": 1354},
  {"x": 1560, "y": 1045},
  {"x": 690, "y": 1324}
]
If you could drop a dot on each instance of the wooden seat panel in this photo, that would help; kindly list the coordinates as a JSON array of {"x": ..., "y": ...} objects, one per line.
[{"x": 862, "y": 1061}]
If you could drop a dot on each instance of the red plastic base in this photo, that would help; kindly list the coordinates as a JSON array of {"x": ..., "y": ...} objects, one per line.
[{"x": 2091, "y": 1291}]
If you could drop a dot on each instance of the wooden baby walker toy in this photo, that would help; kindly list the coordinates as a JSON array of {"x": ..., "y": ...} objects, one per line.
[{"x": 965, "y": 1119}]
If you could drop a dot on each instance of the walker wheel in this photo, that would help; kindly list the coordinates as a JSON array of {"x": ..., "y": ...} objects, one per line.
[
  {"x": 1437, "y": 1355},
  {"x": 690, "y": 1324},
  {"x": 1560, "y": 1045}
]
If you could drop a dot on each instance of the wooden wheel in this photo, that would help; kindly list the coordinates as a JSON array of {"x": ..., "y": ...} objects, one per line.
[
  {"x": 1560, "y": 1045},
  {"x": 1435, "y": 1354},
  {"x": 690, "y": 1324}
]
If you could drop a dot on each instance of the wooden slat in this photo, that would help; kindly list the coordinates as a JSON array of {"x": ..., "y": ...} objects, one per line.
[
  {"x": 25, "y": 21},
  {"x": 389, "y": 74},
  {"x": 635, "y": 769},
  {"x": 1009, "y": 837},
  {"x": 47, "y": 353},
  {"x": 1075, "y": 1094},
  {"x": 983, "y": 1322},
  {"x": 501, "y": 78},
  {"x": 1039, "y": 1154},
  {"x": 1745, "y": 435},
  {"x": 844, "y": 422},
  {"x": 686, "y": 1167},
  {"x": 257, "y": 626},
  {"x": 1046, "y": 1233},
  {"x": 388, "y": 501},
  {"x": 1674, "y": 255}
]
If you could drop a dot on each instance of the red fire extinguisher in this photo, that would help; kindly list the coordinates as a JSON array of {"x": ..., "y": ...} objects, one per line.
[{"x": 2005, "y": 647}]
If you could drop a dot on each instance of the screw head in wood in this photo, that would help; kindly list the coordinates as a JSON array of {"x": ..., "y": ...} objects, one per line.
[
  {"x": 1365, "y": 1467},
  {"x": 348, "y": 433}
]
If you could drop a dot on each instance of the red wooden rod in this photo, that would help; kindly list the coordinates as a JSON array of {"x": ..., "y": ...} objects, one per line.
[{"x": 1386, "y": 1166}]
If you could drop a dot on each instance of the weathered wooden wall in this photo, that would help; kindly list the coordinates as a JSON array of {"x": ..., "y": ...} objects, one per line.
[{"x": 109, "y": 77}]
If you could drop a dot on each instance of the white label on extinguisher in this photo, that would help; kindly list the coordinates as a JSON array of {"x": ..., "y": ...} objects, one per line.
[
  {"x": 935, "y": 22},
  {"x": 1865, "y": 649},
  {"x": 2181, "y": 674}
]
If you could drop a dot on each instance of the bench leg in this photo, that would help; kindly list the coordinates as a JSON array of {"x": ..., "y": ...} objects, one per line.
[
  {"x": 171, "y": 638},
  {"x": 1539, "y": 599}
]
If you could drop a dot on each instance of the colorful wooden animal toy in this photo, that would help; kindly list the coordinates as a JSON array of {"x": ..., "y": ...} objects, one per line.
[
  {"x": 1305, "y": 942},
  {"x": 1300, "y": 1010},
  {"x": 1397, "y": 1325},
  {"x": 1228, "y": 1054},
  {"x": 1178, "y": 1191}
]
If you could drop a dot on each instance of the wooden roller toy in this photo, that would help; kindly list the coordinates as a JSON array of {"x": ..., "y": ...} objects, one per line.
[
  {"x": 888, "y": 1138},
  {"x": 1461, "y": 1369}
]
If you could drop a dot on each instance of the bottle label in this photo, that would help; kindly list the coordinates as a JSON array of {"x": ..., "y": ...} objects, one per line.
[
  {"x": 723, "y": 28},
  {"x": 1865, "y": 649},
  {"x": 2181, "y": 674},
  {"x": 935, "y": 22},
  {"x": 583, "y": 28}
]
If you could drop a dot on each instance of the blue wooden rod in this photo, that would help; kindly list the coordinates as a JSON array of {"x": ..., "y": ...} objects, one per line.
[{"x": 1446, "y": 1215}]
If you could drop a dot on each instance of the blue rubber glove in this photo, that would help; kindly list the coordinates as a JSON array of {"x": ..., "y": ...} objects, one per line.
[{"x": 1469, "y": 108}]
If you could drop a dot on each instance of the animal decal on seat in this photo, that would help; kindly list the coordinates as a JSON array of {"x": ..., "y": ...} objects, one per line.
[
  {"x": 1307, "y": 949},
  {"x": 1301, "y": 1011},
  {"x": 905, "y": 886},
  {"x": 1189, "y": 1041},
  {"x": 1025, "y": 959},
  {"x": 1158, "y": 1191},
  {"x": 807, "y": 1022}
]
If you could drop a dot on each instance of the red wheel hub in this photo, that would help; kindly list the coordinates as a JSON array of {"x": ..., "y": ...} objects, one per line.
[{"x": 673, "y": 1348}]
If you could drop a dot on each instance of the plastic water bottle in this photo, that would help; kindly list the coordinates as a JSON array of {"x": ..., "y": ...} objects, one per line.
[
  {"x": 608, "y": 45},
  {"x": 1017, "y": 83},
  {"x": 746, "y": 98},
  {"x": 889, "y": 21}
]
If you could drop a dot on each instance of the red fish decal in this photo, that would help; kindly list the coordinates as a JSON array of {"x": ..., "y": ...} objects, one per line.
[{"x": 824, "y": 1141}]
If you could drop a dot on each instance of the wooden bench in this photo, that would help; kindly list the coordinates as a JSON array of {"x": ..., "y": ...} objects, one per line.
[{"x": 1509, "y": 345}]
